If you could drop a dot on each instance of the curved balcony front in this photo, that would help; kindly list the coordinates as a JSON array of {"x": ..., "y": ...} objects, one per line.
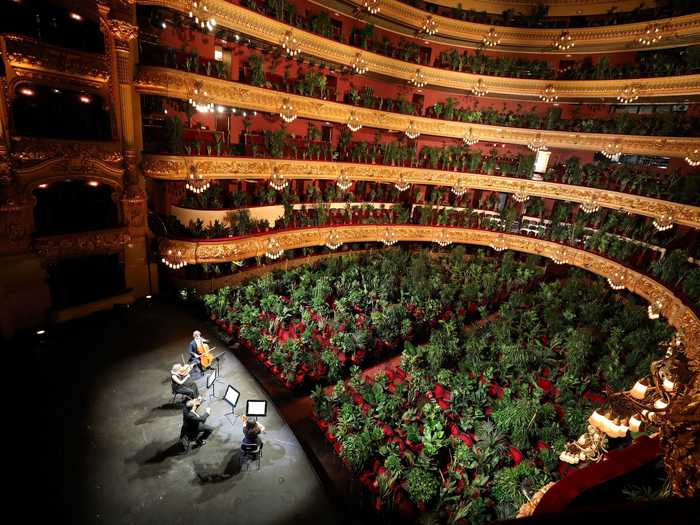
[
  {"x": 678, "y": 314},
  {"x": 269, "y": 30},
  {"x": 178, "y": 84}
]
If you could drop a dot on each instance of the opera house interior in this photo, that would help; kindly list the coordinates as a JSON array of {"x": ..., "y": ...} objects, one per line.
[{"x": 349, "y": 262}]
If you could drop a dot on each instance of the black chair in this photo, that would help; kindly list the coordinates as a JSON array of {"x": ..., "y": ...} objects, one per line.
[
  {"x": 250, "y": 452},
  {"x": 186, "y": 441}
]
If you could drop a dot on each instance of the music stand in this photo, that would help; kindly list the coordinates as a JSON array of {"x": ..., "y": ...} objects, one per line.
[
  {"x": 256, "y": 408},
  {"x": 231, "y": 396},
  {"x": 211, "y": 382}
]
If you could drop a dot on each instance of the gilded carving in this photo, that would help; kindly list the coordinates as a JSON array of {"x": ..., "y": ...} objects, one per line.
[
  {"x": 166, "y": 82},
  {"x": 258, "y": 26},
  {"x": 678, "y": 314},
  {"x": 175, "y": 168},
  {"x": 24, "y": 52},
  {"x": 80, "y": 243}
]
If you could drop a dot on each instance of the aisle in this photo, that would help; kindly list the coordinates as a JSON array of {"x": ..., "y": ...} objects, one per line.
[{"x": 121, "y": 458}]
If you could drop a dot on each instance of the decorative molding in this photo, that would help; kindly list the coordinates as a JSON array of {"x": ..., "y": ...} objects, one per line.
[
  {"x": 38, "y": 161},
  {"x": 179, "y": 84},
  {"x": 102, "y": 241},
  {"x": 216, "y": 251},
  {"x": 621, "y": 37},
  {"x": 269, "y": 30},
  {"x": 25, "y": 53},
  {"x": 176, "y": 168}
]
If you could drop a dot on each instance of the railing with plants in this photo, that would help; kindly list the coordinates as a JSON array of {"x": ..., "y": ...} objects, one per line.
[
  {"x": 645, "y": 64},
  {"x": 279, "y": 144},
  {"x": 471, "y": 422},
  {"x": 538, "y": 16},
  {"x": 628, "y": 239},
  {"x": 312, "y": 83}
]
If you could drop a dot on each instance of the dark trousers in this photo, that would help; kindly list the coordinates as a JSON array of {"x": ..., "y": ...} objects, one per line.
[
  {"x": 204, "y": 432},
  {"x": 188, "y": 389}
]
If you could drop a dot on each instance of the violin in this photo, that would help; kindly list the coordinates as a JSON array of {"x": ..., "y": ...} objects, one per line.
[
  {"x": 185, "y": 370},
  {"x": 205, "y": 354}
]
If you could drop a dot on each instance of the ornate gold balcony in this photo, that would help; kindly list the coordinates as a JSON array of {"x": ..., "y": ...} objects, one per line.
[
  {"x": 211, "y": 251},
  {"x": 263, "y": 28},
  {"x": 178, "y": 84},
  {"x": 29, "y": 59},
  {"x": 177, "y": 168},
  {"x": 42, "y": 161},
  {"x": 83, "y": 243},
  {"x": 398, "y": 16}
]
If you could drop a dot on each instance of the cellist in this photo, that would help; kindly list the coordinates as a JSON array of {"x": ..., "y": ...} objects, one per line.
[{"x": 197, "y": 349}]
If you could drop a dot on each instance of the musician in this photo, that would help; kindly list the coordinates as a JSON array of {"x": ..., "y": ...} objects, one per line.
[
  {"x": 251, "y": 431},
  {"x": 193, "y": 424},
  {"x": 195, "y": 356},
  {"x": 182, "y": 384}
]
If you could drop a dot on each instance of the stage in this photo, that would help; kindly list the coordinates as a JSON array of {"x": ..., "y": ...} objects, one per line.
[{"x": 105, "y": 439}]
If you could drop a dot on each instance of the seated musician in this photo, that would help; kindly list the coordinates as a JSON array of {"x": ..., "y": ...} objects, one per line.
[
  {"x": 251, "y": 431},
  {"x": 182, "y": 384},
  {"x": 194, "y": 352},
  {"x": 193, "y": 424}
]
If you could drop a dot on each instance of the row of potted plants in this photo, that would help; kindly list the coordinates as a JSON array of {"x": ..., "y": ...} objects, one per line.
[
  {"x": 472, "y": 421},
  {"x": 311, "y": 324}
]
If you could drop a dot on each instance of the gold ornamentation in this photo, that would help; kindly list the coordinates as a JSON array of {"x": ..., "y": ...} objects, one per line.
[
  {"x": 166, "y": 82},
  {"x": 174, "y": 168},
  {"x": 103, "y": 241}
]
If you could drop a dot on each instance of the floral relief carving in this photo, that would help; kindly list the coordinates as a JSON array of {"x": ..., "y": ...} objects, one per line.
[
  {"x": 80, "y": 243},
  {"x": 175, "y": 84},
  {"x": 175, "y": 168}
]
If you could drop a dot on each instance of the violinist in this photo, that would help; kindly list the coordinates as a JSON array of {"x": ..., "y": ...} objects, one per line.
[
  {"x": 181, "y": 382},
  {"x": 193, "y": 424}
]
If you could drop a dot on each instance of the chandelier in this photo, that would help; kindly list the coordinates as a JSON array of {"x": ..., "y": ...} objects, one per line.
[
  {"x": 359, "y": 65},
  {"x": 372, "y": 6},
  {"x": 564, "y": 42},
  {"x": 651, "y": 35},
  {"x": 290, "y": 44},
  {"x": 479, "y": 89},
  {"x": 353, "y": 122},
  {"x": 333, "y": 241},
  {"x": 196, "y": 183},
  {"x": 644, "y": 405},
  {"x": 520, "y": 195},
  {"x": 693, "y": 158},
  {"x": 664, "y": 221},
  {"x": 274, "y": 250},
  {"x": 617, "y": 280},
  {"x": 590, "y": 206},
  {"x": 549, "y": 94},
  {"x": 199, "y": 98},
  {"x": 612, "y": 150},
  {"x": 430, "y": 26},
  {"x": 459, "y": 189},
  {"x": 443, "y": 238},
  {"x": 174, "y": 261},
  {"x": 469, "y": 138},
  {"x": 287, "y": 111},
  {"x": 654, "y": 310},
  {"x": 560, "y": 256},
  {"x": 537, "y": 144},
  {"x": 199, "y": 11},
  {"x": 402, "y": 184},
  {"x": 277, "y": 180},
  {"x": 412, "y": 131},
  {"x": 389, "y": 237},
  {"x": 418, "y": 79},
  {"x": 343, "y": 181},
  {"x": 628, "y": 94},
  {"x": 491, "y": 39},
  {"x": 499, "y": 243}
]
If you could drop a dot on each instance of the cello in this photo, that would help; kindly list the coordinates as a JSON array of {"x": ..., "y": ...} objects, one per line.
[{"x": 205, "y": 357}]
